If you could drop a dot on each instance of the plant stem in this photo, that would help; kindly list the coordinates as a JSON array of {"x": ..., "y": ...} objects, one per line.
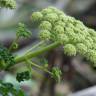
[
  {"x": 28, "y": 66},
  {"x": 35, "y": 46},
  {"x": 39, "y": 67},
  {"x": 13, "y": 43},
  {"x": 37, "y": 52}
]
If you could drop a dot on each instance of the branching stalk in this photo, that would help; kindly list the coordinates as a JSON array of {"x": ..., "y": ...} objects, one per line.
[
  {"x": 37, "y": 52},
  {"x": 39, "y": 67}
]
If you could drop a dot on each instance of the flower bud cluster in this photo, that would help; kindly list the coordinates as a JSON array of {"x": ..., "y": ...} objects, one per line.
[
  {"x": 76, "y": 38},
  {"x": 22, "y": 31},
  {"x": 8, "y": 4}
]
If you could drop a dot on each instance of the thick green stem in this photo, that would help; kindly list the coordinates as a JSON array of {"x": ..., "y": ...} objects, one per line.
[
  {"x": 37, "y": 52},
  {"x": 35, "y": 46}
]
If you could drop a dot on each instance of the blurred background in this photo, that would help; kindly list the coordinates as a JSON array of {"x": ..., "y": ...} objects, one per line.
[{"x": 78, "y": 75}]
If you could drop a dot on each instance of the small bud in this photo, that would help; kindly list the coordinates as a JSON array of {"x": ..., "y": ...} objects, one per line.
[
  {"x": 63, "y": 39},
  {"x": 58, "y": 29},
  {"x": 44, "y": 35},
  {"x": 74, "y": 38},
  {"x": 15, "y": 46},
  {"x": 94, "y": 39},
  {"x": 71, "y": 19},
  {"x": 56, "y": 74},
  {"x": 81, "y": 48},
  {"x": 63, "y": 18},
  {"x": 52, "y": 17},
  {"x": 61, "y": 23},
  {"x": 69, "y": 32},
  {"x": 45, "y": 25},
  {"x": 87, "y": 43},
  {"x": 46, "y": 11},
  {"x": 55, "y": 10},
  {"x": 92, "y": 32},
  {"x": 91, "y": 55},
  {"x": 22, "y": 31},
  {"x": 70, "y": 50},
  {"x": 70, "y": 25},
  {"x": 89, "y": 39},
  {"x": 94, "y": 46},
  {"x": 36, "y": 16}
]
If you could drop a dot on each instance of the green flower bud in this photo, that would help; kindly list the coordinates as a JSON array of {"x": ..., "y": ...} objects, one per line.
[
  {"x": 57, "y": 11},
  {"x": 53, "y": 37},
  {"x": 81, "y": 27},
  {"x": 84, "y": 32},
  {"x": 94, "y": 39},
  {"x": 63, "y": 18},
  {"x": 89, "y": 39},
  {"x": 70, "y": 50},
  {"x": 22, "y": 31},
  {"x": 44, "y": 35},
  {"x": 56, "y": 73},
  {"x": 92, "y": 32},
  {"x": 81, "y": 48},
  {"x": 60, "y": 12},
  {"x": 36, "y": 16},
  {"x": 58, "y": 29},
  {"x": 52, "y": 17},
  {"x": 87, "y": 43},
  {"x": 91, "y": 56},
  {"x": 69, "y": 32},
  {"x": 76, "y": 30},
  {"x": 76, "y": 38},
  {"x": 82, "y": 37},
  {"x": 52, "y": 8},
  {"x": 78, "y": 22},
  {"x": 8, "y": 4},
  {"x": 63, "y": 39},
  {"x": 70, "y": 19},
  {"x": 70, "y": 25},
  {"x": 61, "y": 23},
  {"x": 45, "y": 25},
  {"x": 15, "y": 46},
  {"x": 46, "y": 11},
  {"x": 94, "y": 46}
]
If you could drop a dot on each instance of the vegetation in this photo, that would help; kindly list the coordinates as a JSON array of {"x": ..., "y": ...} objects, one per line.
[{"x": 54, "y": 27}]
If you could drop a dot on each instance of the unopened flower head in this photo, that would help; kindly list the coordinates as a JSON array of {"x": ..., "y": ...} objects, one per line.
[
  {"x": 81, "y": 48},
  {"x": 44, "y": 35},
  {"x": 70, "y": 50},
  {"x": 45, "y": 25},
  {"x": 76, "y": 38},
  {"x": 36, "y": 16}
]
